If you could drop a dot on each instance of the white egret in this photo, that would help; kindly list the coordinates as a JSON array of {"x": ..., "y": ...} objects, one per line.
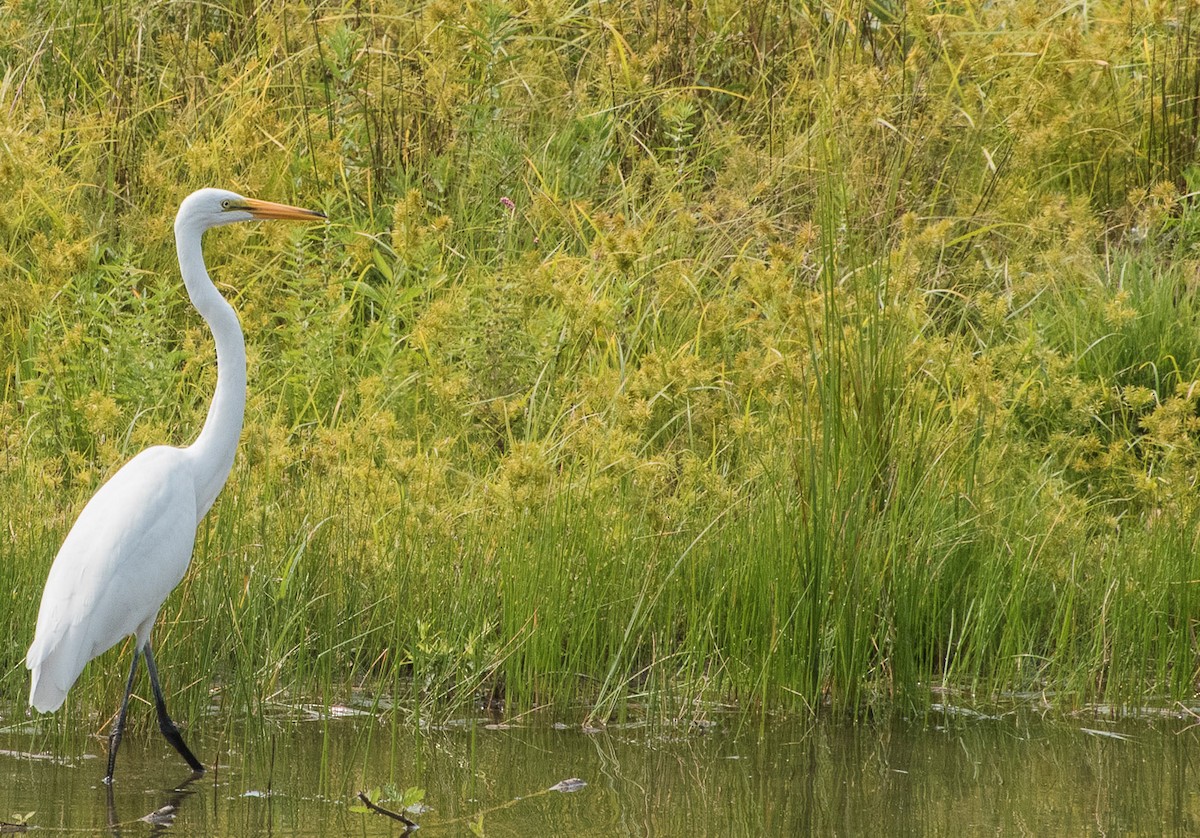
[{"x": 133, "y": 540}]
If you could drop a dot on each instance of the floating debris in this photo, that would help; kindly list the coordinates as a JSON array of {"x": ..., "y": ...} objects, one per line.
[
  {"x": 409, "y": 825},
  {"x": 567, "y": 786},
  {"x": 21, "y": 823},
  {"x": 963, "y": 712},
  {"x": 43, "y": 757},
  {"x": 1107, "y": 734},
  {"x": 161, "y": 817}
]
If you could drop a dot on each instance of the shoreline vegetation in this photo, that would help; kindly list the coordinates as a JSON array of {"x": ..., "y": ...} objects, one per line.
[{"x": 779, "y": 355}]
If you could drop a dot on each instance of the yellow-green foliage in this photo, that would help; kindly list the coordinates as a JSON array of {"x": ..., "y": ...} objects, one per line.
[{"x": 772, "y": 351}]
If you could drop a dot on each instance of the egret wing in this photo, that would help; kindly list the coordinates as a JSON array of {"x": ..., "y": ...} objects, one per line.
[{"x": 128, "y": 549}]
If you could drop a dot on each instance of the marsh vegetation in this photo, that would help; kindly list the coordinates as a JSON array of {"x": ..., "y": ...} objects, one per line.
[{"x": 659, "y": 356}]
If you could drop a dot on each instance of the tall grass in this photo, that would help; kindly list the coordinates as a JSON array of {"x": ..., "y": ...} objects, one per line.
[{"x": 788, "y": 356}]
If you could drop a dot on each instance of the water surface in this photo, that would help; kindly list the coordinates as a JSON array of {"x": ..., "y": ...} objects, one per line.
[{"x": 948, "y": 774}]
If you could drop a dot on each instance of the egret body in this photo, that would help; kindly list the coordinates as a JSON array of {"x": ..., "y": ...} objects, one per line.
[{"x": 133, "y": 541}]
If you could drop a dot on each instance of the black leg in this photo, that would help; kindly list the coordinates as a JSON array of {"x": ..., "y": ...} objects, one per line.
[
  {"x": 114, "y": 738},
  {"x": 165, "y": 724}
]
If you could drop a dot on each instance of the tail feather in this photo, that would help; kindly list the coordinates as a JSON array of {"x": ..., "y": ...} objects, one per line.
[
  {"x": 44, "y": 696},
  {"x": 54, "y": 670}
]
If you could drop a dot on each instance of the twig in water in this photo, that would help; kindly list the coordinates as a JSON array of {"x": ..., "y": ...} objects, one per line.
[{"x": 375, "y": 807}]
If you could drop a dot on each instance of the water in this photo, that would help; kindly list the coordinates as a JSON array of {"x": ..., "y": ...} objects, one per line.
[{"x": 950, "y": 774}]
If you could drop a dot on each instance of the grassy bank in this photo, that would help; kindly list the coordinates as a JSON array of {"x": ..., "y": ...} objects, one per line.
[{"x": 775, "y": 354}]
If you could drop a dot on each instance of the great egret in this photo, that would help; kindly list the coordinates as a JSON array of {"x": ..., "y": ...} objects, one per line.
[{"x": 133, "y": 540}]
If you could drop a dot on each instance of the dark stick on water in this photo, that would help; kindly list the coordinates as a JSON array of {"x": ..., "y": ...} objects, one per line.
[{"x": 375, "y": 807}]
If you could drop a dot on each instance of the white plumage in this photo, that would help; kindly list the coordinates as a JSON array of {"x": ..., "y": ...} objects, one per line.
[
  {"x": 125, "y": 554},
  {"x": 133, "y": 541}
]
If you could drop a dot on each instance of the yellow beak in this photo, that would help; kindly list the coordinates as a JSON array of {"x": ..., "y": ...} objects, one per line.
[{"x": 269, "y": 210}]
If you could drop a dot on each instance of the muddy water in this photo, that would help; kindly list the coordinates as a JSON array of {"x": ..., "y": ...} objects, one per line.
[{"x": 947, "y": 774}]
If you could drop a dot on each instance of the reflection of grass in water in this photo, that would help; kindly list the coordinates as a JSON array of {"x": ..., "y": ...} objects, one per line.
[{"x": 802, "y": 362}]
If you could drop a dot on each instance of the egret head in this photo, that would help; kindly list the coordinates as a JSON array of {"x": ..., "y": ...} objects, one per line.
[{"x": 206, "y": 208}]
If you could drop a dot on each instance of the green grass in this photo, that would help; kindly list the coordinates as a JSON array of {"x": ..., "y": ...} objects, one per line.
[{"x": 788, "y": 356}]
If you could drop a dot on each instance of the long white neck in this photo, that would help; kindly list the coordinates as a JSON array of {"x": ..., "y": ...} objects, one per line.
[{"x": 212, "y": 452}]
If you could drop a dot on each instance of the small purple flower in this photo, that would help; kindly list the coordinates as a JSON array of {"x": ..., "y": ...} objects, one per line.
[{"x": 508, "y": 204}]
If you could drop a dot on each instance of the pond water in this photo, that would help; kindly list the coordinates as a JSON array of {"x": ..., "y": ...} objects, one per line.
[{"x": 952, "y": 773}]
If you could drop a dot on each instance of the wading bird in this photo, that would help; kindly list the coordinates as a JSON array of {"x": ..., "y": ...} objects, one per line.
[{"x": 133, "y": 540}]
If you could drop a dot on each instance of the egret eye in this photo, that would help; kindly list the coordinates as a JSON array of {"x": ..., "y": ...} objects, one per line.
[{"x": 225, "y": 204}]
